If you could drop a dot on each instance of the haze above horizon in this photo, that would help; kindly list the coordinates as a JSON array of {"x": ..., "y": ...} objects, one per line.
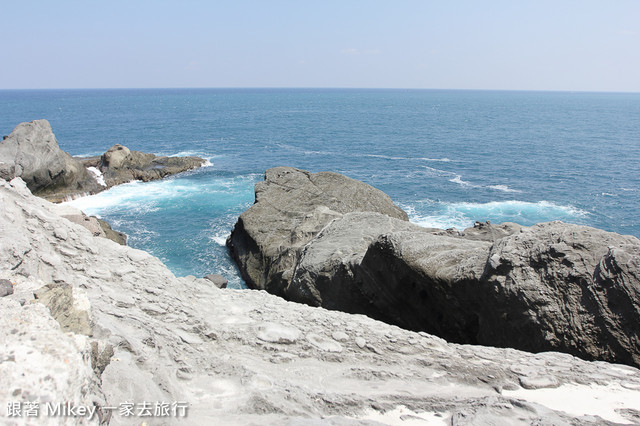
[{"x": 495, "y": 45}]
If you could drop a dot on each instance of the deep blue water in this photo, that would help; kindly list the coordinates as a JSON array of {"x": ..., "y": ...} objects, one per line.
[{"x": 448, "y": 157}]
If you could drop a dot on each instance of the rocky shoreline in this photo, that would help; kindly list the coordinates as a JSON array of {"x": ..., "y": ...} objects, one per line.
[
  {"x": 327, "y": 240},
  {"x": 96, "y": 332},
  {"x": 94, "y": 324},
  {"x": 31, "y": 152}
]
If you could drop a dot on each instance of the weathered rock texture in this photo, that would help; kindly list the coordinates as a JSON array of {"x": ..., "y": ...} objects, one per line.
[
  {"x": 6, "y": 287},
  {"x": 217, "y": 280},
  {"x": 553, "y": 286},
  {"x": 247, "y": 357},
  {"x": 31, "y": 152},
  {"x": 120, "y": 165},
  {"x": 293, "y": 206}
]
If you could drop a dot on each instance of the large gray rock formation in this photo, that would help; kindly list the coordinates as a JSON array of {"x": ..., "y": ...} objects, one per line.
[
  {"x": 552, "y": 286},
  {"x": 292, "y": 206},
  {"x": 247, "y": 357},
  {"x": 31, "y": 152}
]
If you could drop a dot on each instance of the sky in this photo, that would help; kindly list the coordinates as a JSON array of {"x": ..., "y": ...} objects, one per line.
[{"x": 568, "y": 45}]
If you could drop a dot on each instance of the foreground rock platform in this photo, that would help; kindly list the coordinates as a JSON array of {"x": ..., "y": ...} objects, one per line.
[
  {"x": 345, "y": 246},
  {"x": 248, "y": 357}
]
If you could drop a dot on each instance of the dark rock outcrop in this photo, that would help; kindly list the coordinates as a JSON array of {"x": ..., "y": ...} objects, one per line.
[
  {"x": 31, "y": 152},
  {"x": 292, "y": 206},
  {"x": 120, "y": 165},
  {"x": 552, "y": 286}
]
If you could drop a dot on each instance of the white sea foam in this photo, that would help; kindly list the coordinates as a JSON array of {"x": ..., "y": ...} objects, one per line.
[
  {"x": 136, "y": 195},
  {"x": 464, "y": 215},
  {"x": 206, "y": 155},
  {"x": 503, "y": 188},
  {"x": 187, "y": 154},
  {"x": 439, "y": 172},
  {"x": 457, "y": 178},
  {"x": 386, "y": 157},
  {"x": 220, "y": 239},
  {"x": 151, "y": 196},
  {"x": 97, "y": 175},
  {"x": 288, "y": 147},
  {"x": 439, "y": 160},
  {"x": 459, "y": 181},
  {"x": 390, "y": 157},
  {"x": 119, "y": 195}
]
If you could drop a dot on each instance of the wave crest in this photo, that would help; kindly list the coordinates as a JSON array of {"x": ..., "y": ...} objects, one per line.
[{"x": 464, "y": 215}]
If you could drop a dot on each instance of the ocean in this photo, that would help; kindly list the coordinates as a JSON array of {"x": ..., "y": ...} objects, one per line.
[{"x": 449, "y": 158}]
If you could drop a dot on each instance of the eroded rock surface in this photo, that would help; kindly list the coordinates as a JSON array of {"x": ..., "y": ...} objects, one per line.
[
  {"x": 552, "y": 286},
  {"x": 248, "y": 357},
  {"x": 31, "y": 152},
  {"x": 292, "y": 206},
  {"x": 120, "y": 165}
]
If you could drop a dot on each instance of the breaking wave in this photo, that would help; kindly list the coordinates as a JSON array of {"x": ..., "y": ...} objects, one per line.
[{"x": 464, "y": 215}]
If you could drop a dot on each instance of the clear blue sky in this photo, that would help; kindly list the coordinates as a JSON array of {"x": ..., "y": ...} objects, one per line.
[{"x": 517, "y": 44}]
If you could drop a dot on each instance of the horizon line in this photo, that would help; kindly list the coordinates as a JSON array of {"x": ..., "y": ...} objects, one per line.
[{"x": 319, "y": 88}]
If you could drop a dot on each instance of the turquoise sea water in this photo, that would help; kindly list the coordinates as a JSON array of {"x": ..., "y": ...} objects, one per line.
[{"x": 448, "y": 158}]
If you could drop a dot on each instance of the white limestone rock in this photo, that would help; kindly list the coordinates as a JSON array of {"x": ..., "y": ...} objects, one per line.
[{"x": 242, "y": 357}]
